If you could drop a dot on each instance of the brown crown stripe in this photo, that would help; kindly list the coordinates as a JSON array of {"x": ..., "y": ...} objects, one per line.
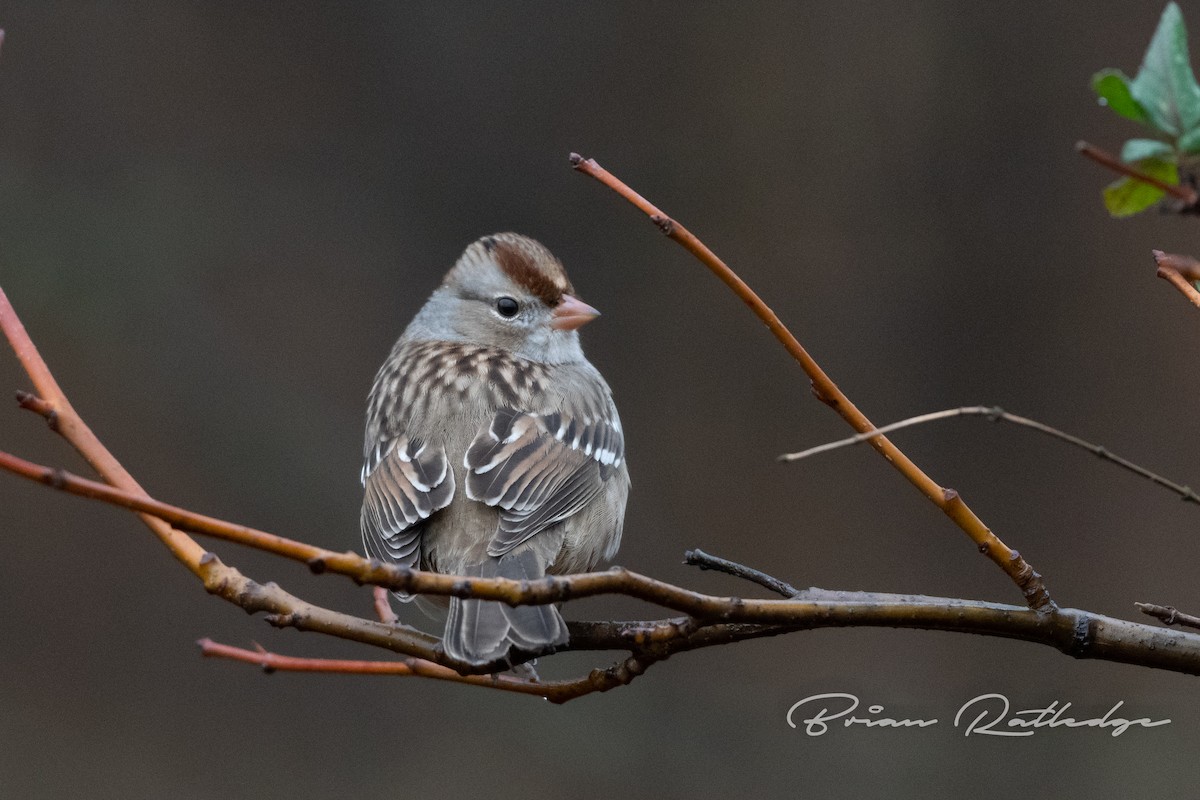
[{"x": 544, "y": 277}]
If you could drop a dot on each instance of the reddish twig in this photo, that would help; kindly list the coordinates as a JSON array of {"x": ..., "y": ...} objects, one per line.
[
  {"x": 53, "y": 404},
  {"x": 948, "y": 500},
  {"x": 555, "y": 691},
  {"x": 224, "y": 581},
  {"x": 274, "y": 662},
  {"x": 1176, "y": 270},
  {"x": 1106, "y": 159}
]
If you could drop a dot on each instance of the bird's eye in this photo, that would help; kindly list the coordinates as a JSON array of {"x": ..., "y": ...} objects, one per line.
[{"x": 507, "y": 307}]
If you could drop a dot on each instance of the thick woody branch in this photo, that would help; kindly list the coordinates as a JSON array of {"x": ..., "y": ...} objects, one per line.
[
  {"x": 1074, "y": 632},
  {"x": 948, "y": 500},
  {"x": 707, "y": 620},
  {"x": 711, "y": 620}
]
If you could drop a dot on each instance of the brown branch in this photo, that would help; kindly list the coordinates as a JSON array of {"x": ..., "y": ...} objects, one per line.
[
  {"x": 1176, "y": 270},
  {"x": 551, "y": 589},
  {"x": 1078, "y": 633},
  {"x": 1169, "y": 615},
  {"x": 948, "y": 500},
  {"x": 709, "y": 621},
  {"x": 226, "y": 582},
  {"x": 1106, "y": 159},
  {"x": 997, "y": 414},
  {"x": 701, "y": 559},
  {"x": 1186, "y": 266},
  {"x": 730, "y": 619}
]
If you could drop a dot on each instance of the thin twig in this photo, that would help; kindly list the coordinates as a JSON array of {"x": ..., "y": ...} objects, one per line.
[
  {"x": 1172, "y": 268},
  {"x": 550, "y": 589},
  {"x": 710, "y": 620},
  {"x": 1169, "y": 615},
  {"x": 701, "y": 559},
  {"x": 1106, "y": 159},
  {"x": 56, "y": 408},
  {"x": 555, "y": 691},
  {"x": 224, "y": 581},
  {"x": 948, "y": 500},
  {"x": 274, "y": 662},
  {"x": 996, "y": 414},
  {"x": 1186, "y": 266}
]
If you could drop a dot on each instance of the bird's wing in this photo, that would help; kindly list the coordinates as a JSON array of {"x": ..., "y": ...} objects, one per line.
[
  {"x": 406, "y": 479},
  {"x": 539, "y": 469}
]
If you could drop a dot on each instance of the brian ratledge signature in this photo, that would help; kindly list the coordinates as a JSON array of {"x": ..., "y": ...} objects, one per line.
[{"x": 986, "y": 715}]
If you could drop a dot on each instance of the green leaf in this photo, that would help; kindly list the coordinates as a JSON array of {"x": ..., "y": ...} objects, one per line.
[
  {"x": 1190, "y": 142},
  {"x": 1128, "y": 196},
  {"x": 1165, "y": 85},
  {"x": 1140, "y": 149},
  {"x": 1112, "y": 87}
]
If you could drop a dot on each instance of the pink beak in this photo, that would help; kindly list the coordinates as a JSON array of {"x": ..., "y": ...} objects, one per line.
[{"x": 571, "y": 313}]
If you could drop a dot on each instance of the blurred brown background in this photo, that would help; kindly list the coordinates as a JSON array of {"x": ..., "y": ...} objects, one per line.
[{"x": 215, "y": 218}]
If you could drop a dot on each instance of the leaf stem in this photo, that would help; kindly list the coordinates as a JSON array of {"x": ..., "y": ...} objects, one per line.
[{"x": 1106, "y": 159}]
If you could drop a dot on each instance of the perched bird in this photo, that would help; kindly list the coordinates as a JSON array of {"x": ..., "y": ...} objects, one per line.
[{"x": 493, "y": 447}]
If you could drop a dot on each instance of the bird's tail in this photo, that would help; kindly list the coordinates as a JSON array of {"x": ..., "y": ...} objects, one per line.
[{"x": 485, "y": 631}]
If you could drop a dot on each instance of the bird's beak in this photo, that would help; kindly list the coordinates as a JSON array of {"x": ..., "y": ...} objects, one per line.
[{"x": 571, "y": 313}]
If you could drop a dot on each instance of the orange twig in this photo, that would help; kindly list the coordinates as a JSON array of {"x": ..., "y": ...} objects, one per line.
[
  {"x": 53, "y": 404},
  {"x": 948, "y": 500},
  {"x": 555, "y": 691}
]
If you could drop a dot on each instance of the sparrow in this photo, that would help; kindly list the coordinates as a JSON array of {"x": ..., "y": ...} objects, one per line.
[{"x": 493, "y": 447}]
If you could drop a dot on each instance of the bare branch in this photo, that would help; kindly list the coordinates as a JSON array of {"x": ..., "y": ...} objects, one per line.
[
  {"x": 948, "y": 500},
  {"x": 1169, "y": 615},
  {"x": 708, "y": 620},
  {"x": 1186, "y": 266},
  {"x": 1106, "y": 159},
  {"x": 701, "y": 559},
  {"x": 55, "y": 406},
  {"x": 994, "y": 414},
  {"x": 711, "y": 621},
  {"x": 1174, "y": 269},
  {"x": 273, "y": 662}
]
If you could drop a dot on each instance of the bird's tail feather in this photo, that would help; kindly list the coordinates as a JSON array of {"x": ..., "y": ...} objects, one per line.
[{"x": 485, "y": 631}]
